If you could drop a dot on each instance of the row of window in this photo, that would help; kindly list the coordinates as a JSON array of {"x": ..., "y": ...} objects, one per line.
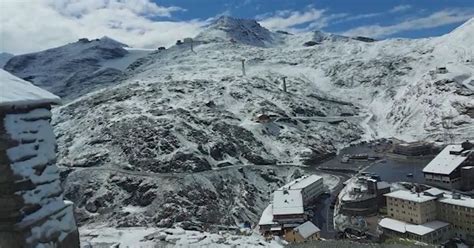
[{"x": 456, "y": 207}]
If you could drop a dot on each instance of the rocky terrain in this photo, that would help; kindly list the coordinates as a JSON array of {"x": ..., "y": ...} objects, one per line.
[{"x": 197, "y": 201}]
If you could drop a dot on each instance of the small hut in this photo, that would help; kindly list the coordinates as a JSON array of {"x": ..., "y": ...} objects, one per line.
[
  {"x": 441, "y": 70},
  {"x": 263, "y": 118}
]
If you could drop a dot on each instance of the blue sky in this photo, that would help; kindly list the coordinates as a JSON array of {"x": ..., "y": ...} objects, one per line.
[
  {"x": 358, "y": 13},
  {"x": 30, "y": 26}
]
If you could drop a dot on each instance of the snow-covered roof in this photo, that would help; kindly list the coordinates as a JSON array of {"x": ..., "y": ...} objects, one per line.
[
  {"x": 16, "y": 91},
  {"x": 427, "y": 227},
  {"x": 302, "y": 182},
  {"x": 267, "y": 216},
  {"x": 383, "y": 185},
  {"x": 410, "y": 196},
  {"x": 402, "y": 227},
  {"x": 434, "y": 192},
  {"x": 445, "y": 163},
  {"x": 447, "y": 198},
  {"x": 463, "y": 201},
  {"x": 287, "y": 202},
  {"x": 307, "y": 229},
  {"x": 392, "y": 224}
]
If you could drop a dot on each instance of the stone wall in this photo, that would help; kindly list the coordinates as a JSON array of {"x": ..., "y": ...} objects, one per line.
[{"x": 33, "y": 212}]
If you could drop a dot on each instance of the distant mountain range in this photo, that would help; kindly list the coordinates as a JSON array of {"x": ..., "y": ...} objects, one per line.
[{"x": 73, "y": 69}]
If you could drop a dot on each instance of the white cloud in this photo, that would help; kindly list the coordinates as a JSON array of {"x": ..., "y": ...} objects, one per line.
[
  {"x": 29, "y": 26},
  {"x": 400, "y": 8},
  {"x": 396, "y": 9},
  {"x": 289, "y": 20},
  {"x": 436, "y": 19},
  {"x": 140, "y": 7},
  {"x": 358, "y": 17}
]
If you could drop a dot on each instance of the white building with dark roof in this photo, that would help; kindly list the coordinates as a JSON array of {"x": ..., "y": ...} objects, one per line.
[{"x": 445, "y": 169}]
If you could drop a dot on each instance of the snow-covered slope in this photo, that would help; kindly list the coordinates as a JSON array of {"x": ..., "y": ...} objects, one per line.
[
  {"x": 244, "y": 31},
  {"x": 181, "y": 113},
  {"x": 4, "y": 57},
  {"x": 76, "y": 68}
]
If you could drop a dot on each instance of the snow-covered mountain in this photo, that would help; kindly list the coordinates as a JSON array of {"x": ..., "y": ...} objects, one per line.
[
  {"x": 76, "y": 68},
  {"x": 235, "y": 30},
  {"x": 4, "y": 57},
  {"x": 178, "y": 142}
]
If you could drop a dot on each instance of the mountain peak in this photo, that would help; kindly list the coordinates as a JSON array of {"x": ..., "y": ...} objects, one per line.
[
  {"x": 108, "y": 40},
  {"x": 245, "y": 31},
  {"x": 228, "y": 21}
]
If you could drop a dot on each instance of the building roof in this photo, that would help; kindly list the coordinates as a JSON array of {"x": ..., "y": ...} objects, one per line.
[
  {"x": 463, "y": 201},
  {"x": 447, "y": 197},
  {"x": 267, "y": 216},
  {"x": 410, "y": 196},
  {"x": 402, "y": 227},
  {"x": 16, "y": 91},
  {"x": 392, "y": 224},
  {"x": 426, "y": 228},
  {"x": 306, "y": 229},
  {"x": 383, "y": 185},
  {"x": 302, "y": 182},
  {"x": 287, "y": 202},
  {"x": 445, "y": 163},
  {"x": 434, "y": 192}
]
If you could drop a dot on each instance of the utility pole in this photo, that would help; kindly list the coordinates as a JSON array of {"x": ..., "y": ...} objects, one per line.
[
  {"x": 284, "y": 83},
  {"x": 243, "y": 67}
]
